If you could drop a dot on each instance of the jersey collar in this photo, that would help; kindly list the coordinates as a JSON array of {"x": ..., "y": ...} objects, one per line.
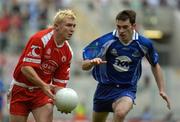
[{"x": 134, "y": 37}]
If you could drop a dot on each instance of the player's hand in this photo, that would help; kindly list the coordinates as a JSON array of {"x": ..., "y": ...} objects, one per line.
[
  {"x": 9, "y": 93},
  {"x": 166, "y": 98},
  {"x": 97, "y": 61},
  {"x": 47, "y": 89},
  {"x": 66, "y": 112},
  {"x": 57, "y": 88}
]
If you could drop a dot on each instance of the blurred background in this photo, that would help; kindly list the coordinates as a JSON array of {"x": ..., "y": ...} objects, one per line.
[{"x": 159, "y": 20}]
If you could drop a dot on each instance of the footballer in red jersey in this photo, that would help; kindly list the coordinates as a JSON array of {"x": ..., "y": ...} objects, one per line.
[
  {"x": 43, "y": 68},
  {"x": 50, "y": 60}
]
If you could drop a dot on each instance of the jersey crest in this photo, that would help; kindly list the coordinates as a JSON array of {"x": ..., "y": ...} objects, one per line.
[
  {"x": 114, "y": 52},
  {"x": 63, "y": 59}
]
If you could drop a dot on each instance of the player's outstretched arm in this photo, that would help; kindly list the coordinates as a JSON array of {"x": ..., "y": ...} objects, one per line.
[
  {"x": 160, "y": 83},
  {"x": 88, "y": 64},
  {"x": 33, "y": 77}
]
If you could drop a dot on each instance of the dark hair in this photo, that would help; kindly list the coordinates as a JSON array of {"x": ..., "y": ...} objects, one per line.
[{"x": 127, "y": 14}]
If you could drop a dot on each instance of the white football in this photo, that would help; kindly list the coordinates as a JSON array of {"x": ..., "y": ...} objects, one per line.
[{"x": 66, "y": 100}]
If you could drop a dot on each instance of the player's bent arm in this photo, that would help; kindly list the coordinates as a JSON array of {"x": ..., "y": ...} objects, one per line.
[
  {"x": 32, "y": 76},
  {"x": 87, "y": 65},
  {"x": 157, "y": 72}
]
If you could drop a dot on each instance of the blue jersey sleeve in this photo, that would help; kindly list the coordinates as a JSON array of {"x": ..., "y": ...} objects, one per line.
[
  {"x": 2, "y": 88},
  {"x": 92, "y": 50},
  {"x": 148, "y": 49},
  {"x": 98, "y": 47},
  {"x": 152, "y": 55}
]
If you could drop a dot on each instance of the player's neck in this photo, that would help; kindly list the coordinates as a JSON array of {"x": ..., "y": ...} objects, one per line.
[
  {"x": 59, "y": 40},
  {"x": 126, "y": 41},
  {"x": 59, "y": 43}
]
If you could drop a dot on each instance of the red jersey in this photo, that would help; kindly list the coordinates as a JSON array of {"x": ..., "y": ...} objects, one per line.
[{"x": 49, "y": 60}]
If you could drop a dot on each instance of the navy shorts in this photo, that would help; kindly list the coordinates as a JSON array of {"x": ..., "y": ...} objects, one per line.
[
  {"x": 106, "y": 94},
  {"x": 1, "y": 104}
]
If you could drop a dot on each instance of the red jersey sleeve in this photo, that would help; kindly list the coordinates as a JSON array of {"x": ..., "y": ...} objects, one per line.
[{"x": 33, "y": 53}]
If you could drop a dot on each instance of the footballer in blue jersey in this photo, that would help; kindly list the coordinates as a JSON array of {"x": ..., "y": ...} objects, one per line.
[{"x": 116, "y": 60}]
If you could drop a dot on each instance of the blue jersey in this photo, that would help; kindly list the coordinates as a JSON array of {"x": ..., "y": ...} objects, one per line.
[
  {"x": 123, "y": 60},
  {"x": 2, "y": 91}
]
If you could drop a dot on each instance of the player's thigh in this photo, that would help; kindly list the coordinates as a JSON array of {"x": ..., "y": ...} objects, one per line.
[
  {"x": 43, "y": 113},
  {"x": 100, "y": 116},
  {"x": 17, "y": 118},
  {"x": 123, "y": 105}
]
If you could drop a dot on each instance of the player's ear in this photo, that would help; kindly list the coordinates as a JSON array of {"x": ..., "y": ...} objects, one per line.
[
  {"x": 56, "y": 27},
  {"x": 134, "y": 25}
]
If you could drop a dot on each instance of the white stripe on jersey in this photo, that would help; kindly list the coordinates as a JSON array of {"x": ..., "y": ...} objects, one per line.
[
  {"x": 46, "y": 38},
  {"x": 135, "y": 35},
  {"x": 60, "y": 81},
  {"x": 143, "y": 48},
  {"x": 69, "y": 47},
  {"x": 114, "y": 32},
  {"x": 37, "y": 61}
]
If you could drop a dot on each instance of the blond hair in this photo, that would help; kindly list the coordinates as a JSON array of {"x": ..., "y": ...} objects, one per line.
[{"x": 61, "y": 14}]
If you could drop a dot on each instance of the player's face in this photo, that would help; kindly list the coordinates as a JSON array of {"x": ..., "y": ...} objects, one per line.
[
  {"x": 125, "y": 30},
  {"x": 66, "y": 28}
]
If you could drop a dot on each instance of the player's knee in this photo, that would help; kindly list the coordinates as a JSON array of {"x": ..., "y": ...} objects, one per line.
[{"x": 120, "y": 114}]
